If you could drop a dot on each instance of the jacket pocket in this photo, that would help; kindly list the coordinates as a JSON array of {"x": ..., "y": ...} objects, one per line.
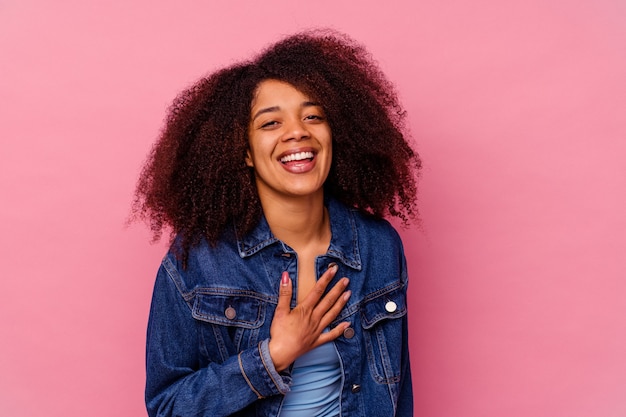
[
  {"x": 382, "y": 321},
  {"x": 229, "y": 322}
]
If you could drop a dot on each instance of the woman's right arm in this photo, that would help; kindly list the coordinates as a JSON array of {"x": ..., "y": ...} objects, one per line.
[{"x": 177, "y": 384}]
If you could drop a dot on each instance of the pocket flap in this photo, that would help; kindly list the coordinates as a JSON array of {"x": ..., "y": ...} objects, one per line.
[
  {"x": 229, "y": 310},
  {"x": 389, "y": 305}
]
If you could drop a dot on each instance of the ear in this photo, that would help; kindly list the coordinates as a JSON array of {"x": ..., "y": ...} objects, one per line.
[{"x": 249, "y": 159}]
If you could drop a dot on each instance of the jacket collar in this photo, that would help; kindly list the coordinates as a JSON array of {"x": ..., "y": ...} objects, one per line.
[{"x": 344, "y": 243}]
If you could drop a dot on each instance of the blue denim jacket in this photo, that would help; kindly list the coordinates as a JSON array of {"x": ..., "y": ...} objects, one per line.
[{"x": 208, "y": 333}]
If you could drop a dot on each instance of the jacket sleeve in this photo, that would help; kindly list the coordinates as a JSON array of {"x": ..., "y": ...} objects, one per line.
[
  {"x": 177, "y": 385},
  {"x": 405, "y": 397}
]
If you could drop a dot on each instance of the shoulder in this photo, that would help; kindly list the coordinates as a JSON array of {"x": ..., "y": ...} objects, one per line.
[
  {"x": 375, "y": 226},
  {"x": 379, "y": 240},
  {"x": 377, "y": 247},
  {"x": 371, "y": 233},
  {"x": 375, "y": 229},
  {"x": 201, "y": 264}
]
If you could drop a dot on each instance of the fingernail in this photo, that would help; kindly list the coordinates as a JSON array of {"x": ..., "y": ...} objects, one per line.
[
  {"x": 284, "y": 280},
  {"x": 346, "y": 295},
  {"x": 332, "y": 265}
]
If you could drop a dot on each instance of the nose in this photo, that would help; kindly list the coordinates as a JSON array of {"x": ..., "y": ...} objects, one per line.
[{"x": 296, "y": 130}]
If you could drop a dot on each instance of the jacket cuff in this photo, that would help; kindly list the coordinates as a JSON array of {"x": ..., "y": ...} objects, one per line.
[{"x": 263, "y": 379}]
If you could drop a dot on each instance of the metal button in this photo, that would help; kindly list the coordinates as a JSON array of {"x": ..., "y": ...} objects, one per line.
[
  {"x": 391, "y": 306},
  {"x": 356, "y": 388},
  {"x": 348, "y": 333},
  {"x": 230, "y": 313}
]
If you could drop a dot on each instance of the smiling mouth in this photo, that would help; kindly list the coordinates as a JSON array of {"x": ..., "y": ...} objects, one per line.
[{"x": 299, "y": 156}]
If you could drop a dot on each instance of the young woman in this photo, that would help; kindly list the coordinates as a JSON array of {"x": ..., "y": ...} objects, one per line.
[{"x": 284, "y": 291}]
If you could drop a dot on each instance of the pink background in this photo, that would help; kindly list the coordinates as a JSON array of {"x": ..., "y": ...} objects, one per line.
[{"x": 518, "y": 293}]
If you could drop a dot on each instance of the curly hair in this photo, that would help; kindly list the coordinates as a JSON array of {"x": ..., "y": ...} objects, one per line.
[{"x": 196, "y": 182}]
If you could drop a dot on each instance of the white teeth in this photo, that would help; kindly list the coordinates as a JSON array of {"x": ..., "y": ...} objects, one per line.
[{"x": 297, "y": 157}]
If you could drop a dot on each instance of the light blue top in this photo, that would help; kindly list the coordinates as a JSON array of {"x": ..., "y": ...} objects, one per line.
[{"x": 316, "y": 384}]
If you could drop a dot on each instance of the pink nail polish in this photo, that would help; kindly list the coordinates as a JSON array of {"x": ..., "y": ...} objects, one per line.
[{"x": 284, "y": 280}]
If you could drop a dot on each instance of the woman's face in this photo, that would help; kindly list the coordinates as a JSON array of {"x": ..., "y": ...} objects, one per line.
[{"x": 290, "y": 142}]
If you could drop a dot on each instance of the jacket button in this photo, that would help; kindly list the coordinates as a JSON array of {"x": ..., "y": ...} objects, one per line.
[
  {"x": 391, "y": 306},
  {"x": 348, "y": 333},
  {"x": 356, "y": 388},
  {"x": 230, "y": 313}
]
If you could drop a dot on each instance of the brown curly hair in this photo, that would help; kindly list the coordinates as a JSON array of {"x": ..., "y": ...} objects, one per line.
[{"x": 196, "y": 182}]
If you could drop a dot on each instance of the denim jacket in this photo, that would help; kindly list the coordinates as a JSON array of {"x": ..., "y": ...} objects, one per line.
[{"x": 209, "y": 326}]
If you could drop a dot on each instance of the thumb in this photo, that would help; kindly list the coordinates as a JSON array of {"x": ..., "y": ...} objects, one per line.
[{"x": 284, "y": 294}]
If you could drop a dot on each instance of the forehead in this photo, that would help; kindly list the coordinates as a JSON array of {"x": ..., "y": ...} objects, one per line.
[{"x": 268, "y": 91}]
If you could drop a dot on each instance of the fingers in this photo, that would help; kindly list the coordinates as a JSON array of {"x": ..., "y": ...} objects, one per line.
[
  {"x": 284, "y": 295},
  {"x": 334, "y": 294},
  {"x": 333, "y": 300},
  {"x": 294, "y": 332},
  {"x": 317, "y": 292},
  {"x": 322, "y": 309},
  {"x": 331, "y": 306},
  {"x": 332, "y": 334}
]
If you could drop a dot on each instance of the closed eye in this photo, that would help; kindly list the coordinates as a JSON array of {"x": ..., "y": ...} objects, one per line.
[{"x": 269, "y": 124}]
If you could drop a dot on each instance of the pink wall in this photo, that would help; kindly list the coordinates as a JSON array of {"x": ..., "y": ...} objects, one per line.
[{"x": 518, "y": 294}]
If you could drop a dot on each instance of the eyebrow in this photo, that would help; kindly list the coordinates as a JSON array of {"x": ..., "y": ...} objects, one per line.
[{"x": 277, "y": 108}]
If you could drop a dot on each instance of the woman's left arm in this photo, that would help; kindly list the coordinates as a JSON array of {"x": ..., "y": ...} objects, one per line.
[{"x": 405, "y": 398}]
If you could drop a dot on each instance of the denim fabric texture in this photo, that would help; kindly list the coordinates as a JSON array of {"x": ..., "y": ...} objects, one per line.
[{"x": 209, "y": 327}]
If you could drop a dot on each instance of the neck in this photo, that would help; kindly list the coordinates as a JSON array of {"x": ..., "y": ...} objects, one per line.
[{"x": 300, "y": 222}]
